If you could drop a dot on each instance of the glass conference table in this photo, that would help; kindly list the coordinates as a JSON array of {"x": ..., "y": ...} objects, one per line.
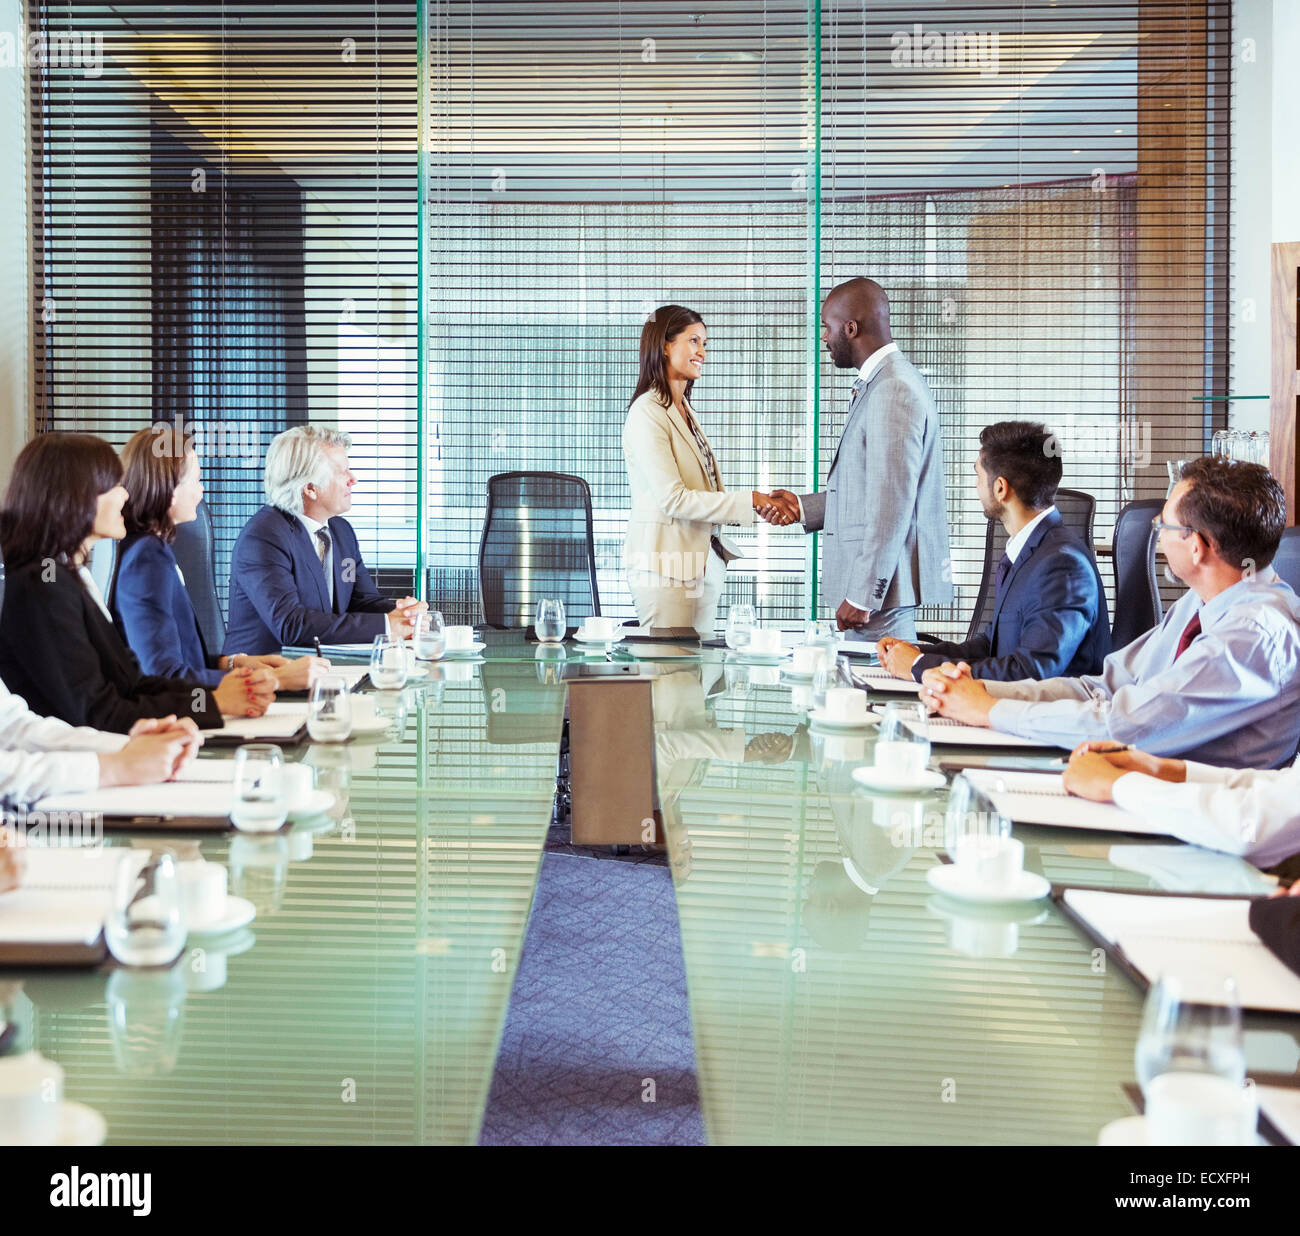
[{"x": 834, "y": 996}]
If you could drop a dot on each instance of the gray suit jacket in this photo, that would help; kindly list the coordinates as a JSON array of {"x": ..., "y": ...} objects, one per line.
[{"x": 883, "y": 517}]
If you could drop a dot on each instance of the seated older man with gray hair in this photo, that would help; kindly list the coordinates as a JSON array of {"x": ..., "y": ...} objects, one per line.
[{"x": 297, "y": 574}]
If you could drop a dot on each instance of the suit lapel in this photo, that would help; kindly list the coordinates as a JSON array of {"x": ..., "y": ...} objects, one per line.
[
  {"x": 676, "y": 424},
  {"x": 312, "y": 559},
  {"x": 336, "y": 565},
  {"x": 855, "y": 405}
]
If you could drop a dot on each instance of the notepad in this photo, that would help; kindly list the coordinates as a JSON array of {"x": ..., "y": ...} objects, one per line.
[
  {"x": 876, "y": 679},
  {"x": 944, "y": 731},
  {"x": 1196, "y": 938},
  {"x": 1041, "y": 798},
  {"x": 207, "y": 771},
  {"x": 186, "y": 799},
  {"x": 280, "y": 723},
  {"x": 64, "y": 898}
]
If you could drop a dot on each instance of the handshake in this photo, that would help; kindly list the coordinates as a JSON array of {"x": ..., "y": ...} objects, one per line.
[{"x": 780, "y": 507}]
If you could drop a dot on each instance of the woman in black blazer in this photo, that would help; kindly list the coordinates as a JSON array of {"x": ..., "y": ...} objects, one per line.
[{"x": 58, "y": 646}]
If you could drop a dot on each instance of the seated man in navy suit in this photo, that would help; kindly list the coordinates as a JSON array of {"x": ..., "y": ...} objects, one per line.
[
  {"x": 1049, "y": 611},
  {"x": 296, "y": 574}
]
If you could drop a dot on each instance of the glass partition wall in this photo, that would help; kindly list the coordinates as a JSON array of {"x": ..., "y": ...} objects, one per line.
[{"x": 440, "y": 227}]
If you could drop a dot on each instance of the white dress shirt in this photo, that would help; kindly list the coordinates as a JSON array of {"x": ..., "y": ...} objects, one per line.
[
  {"x": 1017, "y": 542},
  {"x": 313, "y": 526},
  {"x": 865, "y": 374},
  {"x": 91, "y": 587},
  {"x": 1249, "y": 812},
  {"x": 39, "y": 755}
]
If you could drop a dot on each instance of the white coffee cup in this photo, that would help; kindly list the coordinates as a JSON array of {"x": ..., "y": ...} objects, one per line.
[
  {"x": 459, "y": 638},
  {"x": 806, "y": 658},
  {"x": 598, "y": 628},
  {"x": 846, "y": 704},
  {"x": 298, "y": 781},
  {"x": 991, "y": 861},
  {"x": 203, "y": 888},
  {"x": 764, "y": 640},
  {"x": 1199, "y": 1109},
  {"x": 31, "y": 1094}
]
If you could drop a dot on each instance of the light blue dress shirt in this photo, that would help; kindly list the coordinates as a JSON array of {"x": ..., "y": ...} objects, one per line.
[{"x": 1232, "y": 699}]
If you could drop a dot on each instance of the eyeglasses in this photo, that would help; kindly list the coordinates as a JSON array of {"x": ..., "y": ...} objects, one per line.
[{"x": 1160, "y": 526}]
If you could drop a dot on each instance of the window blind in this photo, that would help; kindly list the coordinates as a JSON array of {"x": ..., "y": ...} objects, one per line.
[{"x": 224, "y": 232}]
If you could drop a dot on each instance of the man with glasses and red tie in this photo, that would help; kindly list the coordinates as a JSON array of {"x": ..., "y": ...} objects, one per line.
[{"x": 1218, "y": 681}]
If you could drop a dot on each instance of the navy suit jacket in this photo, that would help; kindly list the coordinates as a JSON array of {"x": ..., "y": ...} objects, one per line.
[
  {"x": 279, "y": 594},
  {"x": 155, "y": 615},
  {"x": 1049, "y": 616}
]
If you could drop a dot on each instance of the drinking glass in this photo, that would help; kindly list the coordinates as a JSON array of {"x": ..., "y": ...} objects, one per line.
[
  {"x": 329, "y": 714},
  {"x": 904, "y": 742},
  {"x": 428, "y": 638},
  {"x": 1264, "y": 456},
  {"x": 832, "y": 672},
  {"x": 820, "y": 631},
  {"x": 740, "y": 621},
  {"x": 1219, "y": 444},
  {"x": 144, "y": 926},
  {"x": 1191, "y": 1064},
  {"x": 969, "y": 810},
  {"x": 550, "y": 621},
  {"x": 258, "y": 803},
  {"x": 1182, "y": 1034},
  {"x": 388, "y": 667}
]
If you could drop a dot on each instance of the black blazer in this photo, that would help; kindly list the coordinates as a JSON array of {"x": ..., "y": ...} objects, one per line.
[{"x": 59, "y": 652}]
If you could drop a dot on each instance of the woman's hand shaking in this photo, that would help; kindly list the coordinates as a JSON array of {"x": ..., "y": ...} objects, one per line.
[{"x": 780, "y": 507}]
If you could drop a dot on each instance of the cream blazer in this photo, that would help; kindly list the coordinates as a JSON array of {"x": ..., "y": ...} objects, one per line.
[{"x": 674, "y": 510}]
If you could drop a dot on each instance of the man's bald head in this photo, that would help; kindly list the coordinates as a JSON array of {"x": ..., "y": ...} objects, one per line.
[{"x": 855, "y": 322}]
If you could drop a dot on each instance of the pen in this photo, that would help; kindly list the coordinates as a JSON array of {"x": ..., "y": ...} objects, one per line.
[{"x": 316, "y": 641}]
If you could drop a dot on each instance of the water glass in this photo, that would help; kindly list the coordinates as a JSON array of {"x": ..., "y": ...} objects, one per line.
[
  {"x": 740, "y": 622},
  {"x": 969, "y": 811},
  {"x": 550, "y": 624},
  {"x": 820, "y": 631},
  {"x": 428, "y": 638},
  {"x": 1196, "y": 1035},
  {"x": 388, "y": 667},
  {"x": 329, "y": 714},
  {"x": 144, "y": 926},
  {"x": 904, "y": 743},
  {"x": 259, "y": 803},
  {"x": 831, "y": 672}
]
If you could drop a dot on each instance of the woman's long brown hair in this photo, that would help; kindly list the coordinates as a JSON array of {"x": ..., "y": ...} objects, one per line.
[{"x": 663, "y": 326}]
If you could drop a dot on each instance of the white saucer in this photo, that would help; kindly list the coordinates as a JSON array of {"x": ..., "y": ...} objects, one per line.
[
  {"x": 950, "y": 879},
  {"x": 80, "y": 1125},
  {"x": 591, "y": 639},
  {"x": 366, "y": 729},
  {"x": 463, "y": 654},
  {"x": 760, "y": 658},
  {"x": 1132, "y": 1131},
  {"x": 238, "y": 913},
  {"x": 819, "y": 718},
  {"x": 788, "y": 671},
  {"x": 320, "y": 800},
  {"x": 874, "y": 778}
]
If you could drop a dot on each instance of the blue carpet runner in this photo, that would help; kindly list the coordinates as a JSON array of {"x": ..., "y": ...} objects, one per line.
[{"x": 597, "y": 1047}]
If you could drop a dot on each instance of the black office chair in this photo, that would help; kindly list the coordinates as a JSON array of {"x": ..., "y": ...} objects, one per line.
[
  {"x": 195, "y": 550},
  {"x": 1137, "y": 592},
  {"x": 537, "y": 542},
  {"x": 1077, "y": 510},
  {"x": 1286, "y": 562}
]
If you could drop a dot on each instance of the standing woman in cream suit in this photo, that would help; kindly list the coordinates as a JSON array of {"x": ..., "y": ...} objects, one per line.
[{"x": 675, "y": 556}]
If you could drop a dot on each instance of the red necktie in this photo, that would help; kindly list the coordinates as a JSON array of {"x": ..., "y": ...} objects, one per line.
[{"x": 1192, "y": 631}]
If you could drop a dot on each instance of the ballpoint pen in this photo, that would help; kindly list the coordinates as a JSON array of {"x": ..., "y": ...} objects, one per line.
[{"x": 316, "y": 641}]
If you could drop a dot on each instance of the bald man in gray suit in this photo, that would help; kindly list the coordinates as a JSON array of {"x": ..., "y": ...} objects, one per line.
[{"x": 883, "y": 517}]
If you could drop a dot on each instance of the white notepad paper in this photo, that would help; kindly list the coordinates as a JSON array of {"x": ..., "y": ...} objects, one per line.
[
  {"x": 944, "y": 731},
  {"x": 204, "y": 799},
  {"x": 65, "y": 896},
  {"x": 281, "y": 721},
  {"x": 1041, "y": 798},
  {"x": 877, "y": 679},
  {"x": 1197, "y": 939}
]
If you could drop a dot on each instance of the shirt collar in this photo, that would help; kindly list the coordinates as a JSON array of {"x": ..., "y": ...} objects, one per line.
[
  {"x": 1218, "y": 605},
  {"x": 1017, "y": 542},
  {"x": 313, "y": 526},
  {"x": 874, "y": 361}
]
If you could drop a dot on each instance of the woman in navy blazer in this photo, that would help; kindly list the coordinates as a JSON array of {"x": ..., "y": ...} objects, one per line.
[{"x": 150, "y": 604}]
